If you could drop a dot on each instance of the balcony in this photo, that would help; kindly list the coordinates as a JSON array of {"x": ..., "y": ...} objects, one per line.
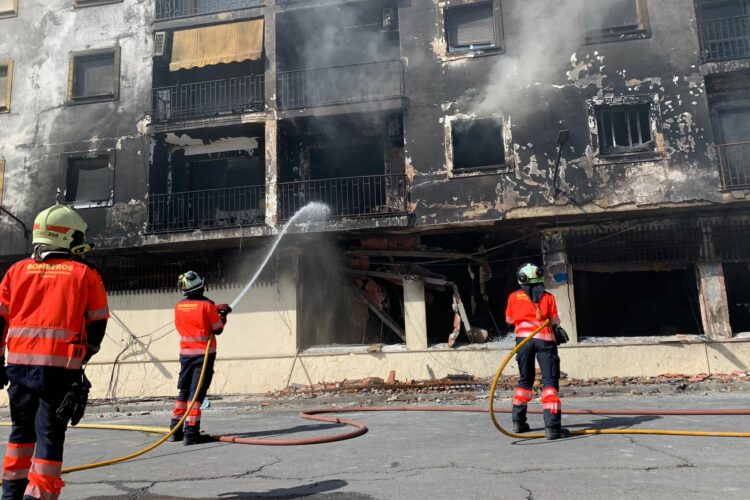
[
  {"x": 175, "y": 9},
  {"x": 340, "y": 84},
  {"x": 734, "y": 165},
  {"x": 208, "y": 209},
  {"x": 726, "y": 38},
  {"x": 208, "y": 99},
  {"x": 365, "y": 196}
]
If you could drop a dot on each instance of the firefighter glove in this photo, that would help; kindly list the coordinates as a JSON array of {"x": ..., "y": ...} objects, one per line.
[
  {"x": 73, "y": 405},
  {"x": 224, "y": 310}
]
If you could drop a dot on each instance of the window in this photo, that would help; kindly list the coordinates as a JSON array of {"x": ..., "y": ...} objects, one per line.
[
  {"x": 611, "y": 20},
  {"x": 724, "y": 29},
  {"x": 87, "y": 3},
  {"x": 472, "y": 27},
  {"x": 89, "y": 179},
  {"x": 94, "y": 76},
  {"x": 477, "y": 145},
  {"x": 8, "y": 8},
  {"x": 6, "y": 79},
  {"x": 624, "y": 129}
]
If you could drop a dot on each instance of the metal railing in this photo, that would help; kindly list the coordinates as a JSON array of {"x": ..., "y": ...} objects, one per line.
[
  {"x": 340, "y": 84},
  {"x": 172, "y": 9},
  {"x": 203, "y": 99},
  {"x": 727, "y": 38},
  {"x": 368, "y": 196},
  {"x": 734, "y": 165},
  {"x": 212, "y": 208}
]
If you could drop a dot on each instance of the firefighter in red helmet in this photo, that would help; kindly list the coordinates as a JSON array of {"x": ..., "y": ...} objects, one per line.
[
  {"x": 197, "y": 320},
  {"x": 527, "y": 309},
  {"x": 54, "y": 313}
]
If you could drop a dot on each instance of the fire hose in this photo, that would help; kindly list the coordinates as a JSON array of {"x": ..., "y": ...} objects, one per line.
[{"x": 360, "y": 428}]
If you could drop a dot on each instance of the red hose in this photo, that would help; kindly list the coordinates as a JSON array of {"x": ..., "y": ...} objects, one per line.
[{"x": 360, "y": 428}]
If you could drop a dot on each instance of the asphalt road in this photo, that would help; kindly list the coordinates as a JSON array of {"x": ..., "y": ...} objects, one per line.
[{"x": 425, "y": 455}]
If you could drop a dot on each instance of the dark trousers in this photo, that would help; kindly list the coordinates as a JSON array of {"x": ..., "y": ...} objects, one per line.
[
  {"x": 34, "y": 423},
  {"x": 549, "y": 363},
  {"x": 187, "y": 383}
]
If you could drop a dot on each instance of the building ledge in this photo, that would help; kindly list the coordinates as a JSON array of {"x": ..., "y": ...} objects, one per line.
[{"x": 369, "y": 106}]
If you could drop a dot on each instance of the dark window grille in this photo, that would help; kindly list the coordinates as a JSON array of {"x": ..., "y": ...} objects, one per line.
[
  {"x": 726, "y": 38},
  {"x": 205, "y": 99},
  {"x": 340, "y": 84},
  {"x": 624, "y": 129},
  {"x": 369, "y": 196},
  {"x": 734, "y": 165},
  {"x": 172, "y": 9},
  {"x": 88, "y": 179},
  {"x": 470, "y": 27},
  {"x": 206, "y": 209},
  {"x": 478, "y": 145}
]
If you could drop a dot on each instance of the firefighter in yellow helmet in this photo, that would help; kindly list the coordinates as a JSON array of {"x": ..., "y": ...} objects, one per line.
[{"x": 55, "y": 310}]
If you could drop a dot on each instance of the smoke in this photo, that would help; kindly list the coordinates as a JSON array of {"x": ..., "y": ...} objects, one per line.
[{"x": 541, "y": 40}]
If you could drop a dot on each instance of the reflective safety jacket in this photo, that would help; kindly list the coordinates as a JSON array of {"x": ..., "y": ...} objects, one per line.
[
  {"x": 524, "y": 315},
  {"x": 195, "y": 320},
  {"x": 47, "y": 306}
]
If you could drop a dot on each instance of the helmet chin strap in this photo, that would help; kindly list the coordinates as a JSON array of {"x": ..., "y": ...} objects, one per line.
[{"x": 81, "y": 249}]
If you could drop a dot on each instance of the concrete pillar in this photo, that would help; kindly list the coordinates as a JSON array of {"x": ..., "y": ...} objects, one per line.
[
  {"x": 272, "y": 172},
  {"x": 558, "y": 281},
  {"x": 415, "y": 314},
  {"x": 712, "y": 296}
]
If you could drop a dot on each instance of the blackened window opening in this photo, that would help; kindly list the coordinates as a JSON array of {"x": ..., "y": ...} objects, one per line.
[
  {"x": 639, "y": 303},
  {"x": 478, "y": 144},
  {"x": 469, "y": 27},
  {"x": 612, "y": 17},
  {"x": 89, "y": 179},
  {"x": 94, "y": 76},
  {"x": 624, "y": 129},
  {"x": 736, "y": 278}
]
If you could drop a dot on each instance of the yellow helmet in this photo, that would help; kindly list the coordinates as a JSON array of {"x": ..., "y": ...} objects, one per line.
[{"x": 57, "y": 226}]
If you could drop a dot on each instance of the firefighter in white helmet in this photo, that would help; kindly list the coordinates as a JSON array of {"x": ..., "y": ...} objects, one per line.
[{"x": 55, "y": 309}]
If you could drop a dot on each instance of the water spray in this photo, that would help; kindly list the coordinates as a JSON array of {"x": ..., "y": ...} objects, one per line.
[{"x": 313, "y": 211}]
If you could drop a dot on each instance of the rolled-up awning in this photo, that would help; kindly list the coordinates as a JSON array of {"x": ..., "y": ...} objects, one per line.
[{"x": 221, "y": 44}]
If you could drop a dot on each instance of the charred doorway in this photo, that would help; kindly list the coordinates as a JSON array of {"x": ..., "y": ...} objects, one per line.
[
  {"x": 737, "y": 282},
  {"x": 636, "y": 303}
]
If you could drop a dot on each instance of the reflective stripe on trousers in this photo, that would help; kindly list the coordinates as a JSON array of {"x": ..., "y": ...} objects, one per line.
[
  {"x": 44, "y": 480},
  {"x": 17, "y": 461}
]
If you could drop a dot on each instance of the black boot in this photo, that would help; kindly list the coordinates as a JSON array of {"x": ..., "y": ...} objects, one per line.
[
  {"x": 13, "y": 489},
  {"x": 179, "y": 433},
  {"x": 556, "y": 433},
  {"x": 193, "y": 435},
  {"x": 520, "y": 427}
]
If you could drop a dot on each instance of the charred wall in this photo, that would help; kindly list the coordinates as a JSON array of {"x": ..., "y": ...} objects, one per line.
[
  {"x": 545, "y": 77},
  {"x": 44, "y": 127}
]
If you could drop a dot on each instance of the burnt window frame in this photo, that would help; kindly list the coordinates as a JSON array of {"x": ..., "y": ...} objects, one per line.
[
  {"x": 505, "y": 168},
  {"x": 79, "y": 4},
  {"x": 606, "y": 34},
  {"x": 109, "y": 155},
  {"x": 72, "y": 75},
  {"x": 13, "y": 12},
  {"x": 5, "y": 106},
  {"x": 595, "y": 106},
  {"x": 497, "y": 16}
]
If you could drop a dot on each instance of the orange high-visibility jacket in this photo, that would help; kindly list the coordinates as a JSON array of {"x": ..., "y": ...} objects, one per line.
[
  {"x": 195, "y": 320},
  {"x": 522, "y": 314},
  {"x": 47, "y": 306}
]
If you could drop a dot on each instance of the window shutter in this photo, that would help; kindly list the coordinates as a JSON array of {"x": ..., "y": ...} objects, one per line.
[
  {"x": 3, "y": 86},
  {"x": 95, "y": 75},
  {"x": 470, "y": 25},
  {"x": 7, "y": 6}
]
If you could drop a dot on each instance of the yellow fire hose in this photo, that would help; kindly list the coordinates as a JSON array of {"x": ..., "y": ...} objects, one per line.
[
  {"x": 654, "y": 432},
  {"x": 155, "y": 430}
]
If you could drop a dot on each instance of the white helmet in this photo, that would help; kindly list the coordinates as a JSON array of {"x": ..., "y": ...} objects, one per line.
[
  {"x": 61, "y": 226},
  {"x": 190, "y": 282}
]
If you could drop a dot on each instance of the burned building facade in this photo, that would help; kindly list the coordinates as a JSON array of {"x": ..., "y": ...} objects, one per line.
[{"x": 452, "y": 141}]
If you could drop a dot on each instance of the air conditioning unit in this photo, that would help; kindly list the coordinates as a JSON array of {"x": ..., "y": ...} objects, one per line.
[{"x": 160, "y": 44}]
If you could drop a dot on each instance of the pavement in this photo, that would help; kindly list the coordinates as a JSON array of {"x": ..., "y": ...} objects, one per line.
[{"x": 419, "y": 455}]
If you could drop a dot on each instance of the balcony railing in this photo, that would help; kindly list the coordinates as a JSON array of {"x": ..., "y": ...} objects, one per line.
[
  {"x": 341, "y": 84},
  {"x": 173, "y": 9},
  {"x": 213, "y": 208},
  {"x": 207, "y": 99},
  {"x": 727, "y": 38},
  {"x": 734, "y": 165},
  {"x": 366, "y": 196}
]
